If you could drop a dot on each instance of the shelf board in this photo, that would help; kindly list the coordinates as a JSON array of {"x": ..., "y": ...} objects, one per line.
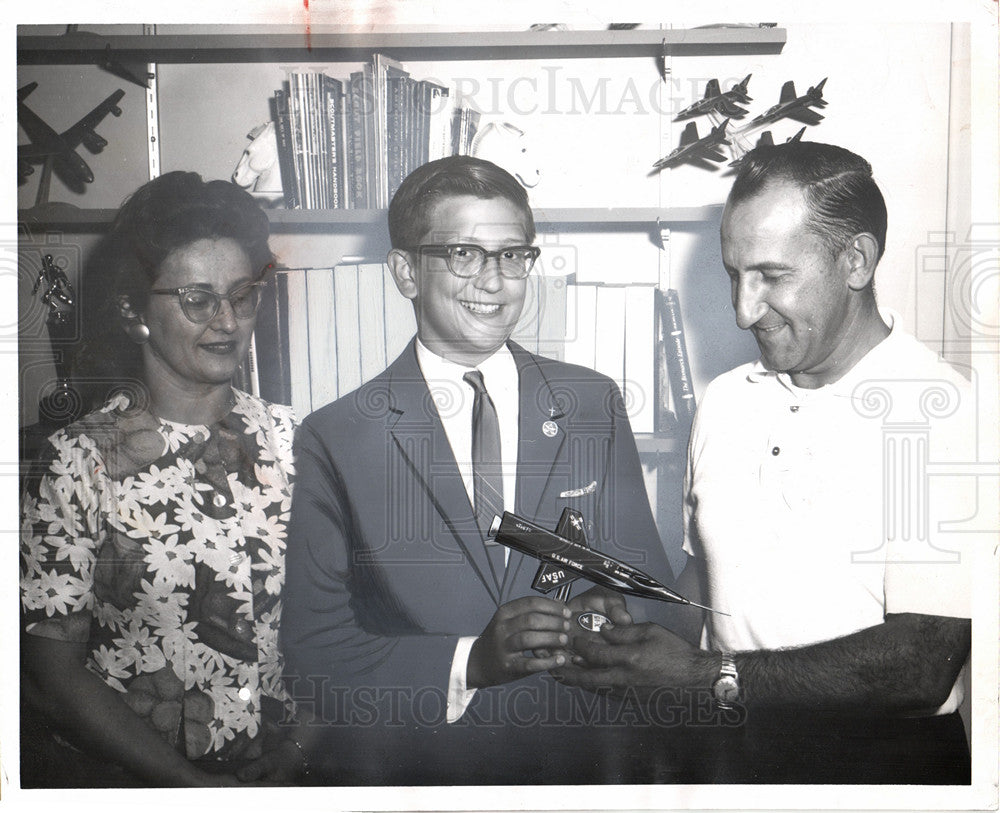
[
  {"x": 329, "y": 46},
  {"x": 650, "y": 443},
  {"x": 69, "y": 218}
]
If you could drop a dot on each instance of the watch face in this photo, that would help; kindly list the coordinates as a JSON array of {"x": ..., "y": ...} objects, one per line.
[{"x": 726, "y": 689}]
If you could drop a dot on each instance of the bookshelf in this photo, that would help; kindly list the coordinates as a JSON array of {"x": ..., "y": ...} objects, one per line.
[
  {"x": 321, "y": 236},
  {"x": 325, "y": 46}
]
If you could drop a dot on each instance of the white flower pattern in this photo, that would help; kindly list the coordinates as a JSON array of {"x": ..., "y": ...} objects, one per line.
[{"x": 174, "y": 564}]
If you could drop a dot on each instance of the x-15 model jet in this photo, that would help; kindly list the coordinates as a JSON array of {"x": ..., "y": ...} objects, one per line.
[
  {"x": 58, "y": 150},
  {"x": 565, "y": 557},
  {"x": 694, "y": 150},
  {"x": 794, "y": 107},
  {"x": 714, "y": 99}
]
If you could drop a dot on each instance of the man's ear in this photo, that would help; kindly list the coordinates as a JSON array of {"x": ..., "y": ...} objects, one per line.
[
  {"x": 862, "y": 257},
  {"x": 403, "y": 272}
]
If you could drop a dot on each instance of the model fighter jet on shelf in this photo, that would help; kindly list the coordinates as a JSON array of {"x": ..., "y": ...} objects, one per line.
[
  {"x": 767, "y": 140},
  {"x": 566, "y": 556},
  {"x": 715, "y": 100},
  {"x": 57, "y": 151},
  {"x": 694, "y": 150},
  {"x": 793, "y": 107}
]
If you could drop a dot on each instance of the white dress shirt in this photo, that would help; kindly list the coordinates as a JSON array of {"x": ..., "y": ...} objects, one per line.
[{"x": 453, "y": 398}]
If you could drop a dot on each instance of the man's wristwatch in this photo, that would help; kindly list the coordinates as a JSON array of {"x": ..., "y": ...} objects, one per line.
[{"x": 726, "y": 687}]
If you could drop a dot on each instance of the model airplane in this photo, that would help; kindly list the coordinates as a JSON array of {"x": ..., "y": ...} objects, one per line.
[
  {"x": 794, "y": 107},
  {"x": 724, "y": 103},
  {"x": 57, "y": 151},
  {"x": 694, "y": 150},
  {"x": 766, "y": 140},
  {"x": 565, "y": 557}
]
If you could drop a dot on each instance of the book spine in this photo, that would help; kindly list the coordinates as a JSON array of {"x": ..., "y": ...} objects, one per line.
[
  {"x": 334, "y": 92},
  {"x": 640, "y": 344},
  {"x": 286, "y": 156},
  {"x": 678, "y": 363},
  {"x": 396, "y": 132},
  {"x": 298, "y": 343},
  {"x": 271, "y": 342},
  {"x": 295, "y": 121},
  {"x": 322, "y": 336}
]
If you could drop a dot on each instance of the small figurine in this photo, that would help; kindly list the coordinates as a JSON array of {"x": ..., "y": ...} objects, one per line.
[
  {"x": 57, "y": 287},
  {"x": 259, "y": 169},
  {"x": 507, "y": 146}
]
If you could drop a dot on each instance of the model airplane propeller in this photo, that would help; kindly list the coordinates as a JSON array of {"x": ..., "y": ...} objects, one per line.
[{"x": 566, "y": 556}]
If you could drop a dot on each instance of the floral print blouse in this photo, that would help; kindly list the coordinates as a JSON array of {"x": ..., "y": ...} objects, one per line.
[{"x": 161, "y": 545}]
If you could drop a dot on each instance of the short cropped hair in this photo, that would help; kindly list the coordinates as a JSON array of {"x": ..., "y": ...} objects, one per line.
[
  {"x": 841, "y": 194},
  {"x": 411, "y": 206}
]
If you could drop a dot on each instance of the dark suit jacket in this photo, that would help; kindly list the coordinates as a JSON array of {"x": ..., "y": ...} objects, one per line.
[{"x": 386, "y": 569}]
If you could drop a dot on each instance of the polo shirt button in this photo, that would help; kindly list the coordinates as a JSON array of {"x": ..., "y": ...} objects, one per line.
[
  {"x": 219, "y": 500},
  {"x": 776, "y": 451},
  {"x": 245, "y": 694},
  {"x": 794, "y": 408}
]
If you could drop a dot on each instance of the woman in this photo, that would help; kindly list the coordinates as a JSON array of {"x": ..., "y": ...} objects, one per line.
[{"x": 153, "y": 547}]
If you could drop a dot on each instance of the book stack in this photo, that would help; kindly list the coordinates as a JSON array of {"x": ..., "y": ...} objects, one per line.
[{"x": 349, "y": 143}]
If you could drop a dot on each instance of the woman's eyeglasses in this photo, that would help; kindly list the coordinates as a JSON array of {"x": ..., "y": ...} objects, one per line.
[{"x": 201, "y": 305}]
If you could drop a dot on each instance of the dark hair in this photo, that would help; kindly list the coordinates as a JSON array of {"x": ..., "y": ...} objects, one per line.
[
  {"x": 169, "y": 212},
  {"x": 413, "y": 202},
  {"x": 840, "y": 191}
]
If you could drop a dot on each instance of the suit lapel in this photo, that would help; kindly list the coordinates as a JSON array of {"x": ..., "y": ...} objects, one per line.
[
  {"x": 541, "y": 439},
  {"x": 419, "y": 436}
]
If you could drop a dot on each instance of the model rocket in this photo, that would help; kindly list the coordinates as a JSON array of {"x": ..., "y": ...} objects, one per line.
[{"x": 565, "y": 557}]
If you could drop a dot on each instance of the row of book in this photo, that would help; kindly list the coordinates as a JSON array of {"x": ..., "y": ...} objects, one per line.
[
  {"x": 322, "y": 332},
  {"x": 349, "y": 144}
]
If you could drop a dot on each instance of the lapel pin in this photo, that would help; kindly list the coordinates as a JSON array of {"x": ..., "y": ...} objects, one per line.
[{"x": 580, "y": 492}]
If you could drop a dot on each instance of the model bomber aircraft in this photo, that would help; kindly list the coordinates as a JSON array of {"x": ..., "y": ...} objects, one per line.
[
  {"x": 794, "y": 107},
  {"x": 767, "y": 140},
  {"x": 566, "y": 556},
  {"x": 724, "y": 103},
  {"x": 694, "y": 150},
  {"x": 58, "y": 150}
]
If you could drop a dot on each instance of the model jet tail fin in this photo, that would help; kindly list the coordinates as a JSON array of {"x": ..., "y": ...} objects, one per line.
[
  {"x": 690, "y": 134},
  {"x": 550, "y": 577}
]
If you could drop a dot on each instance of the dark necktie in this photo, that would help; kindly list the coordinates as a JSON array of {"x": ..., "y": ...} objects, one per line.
[{"x": 487, "y": 475}]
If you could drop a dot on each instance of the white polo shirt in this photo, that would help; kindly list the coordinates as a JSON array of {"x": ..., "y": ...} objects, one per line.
[{"x": 814, "y": 510}]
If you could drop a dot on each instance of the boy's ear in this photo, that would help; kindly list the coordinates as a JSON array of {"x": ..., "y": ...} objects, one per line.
[{"x": 403, "y": 272}]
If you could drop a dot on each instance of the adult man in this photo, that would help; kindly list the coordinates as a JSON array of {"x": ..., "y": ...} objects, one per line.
[
  {"x": 848, "y": 627},
  {"x": 410, "y": 635}
]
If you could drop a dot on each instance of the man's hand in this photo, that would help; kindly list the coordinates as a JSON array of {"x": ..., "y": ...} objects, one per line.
[
  {"x": 637, "y": 656},
  {"x": 526, "y": 624},
  {"x": 609, "y": 603}
]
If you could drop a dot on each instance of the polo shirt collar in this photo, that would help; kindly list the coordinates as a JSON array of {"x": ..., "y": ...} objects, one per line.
[{"x": 871, "y": 365}]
